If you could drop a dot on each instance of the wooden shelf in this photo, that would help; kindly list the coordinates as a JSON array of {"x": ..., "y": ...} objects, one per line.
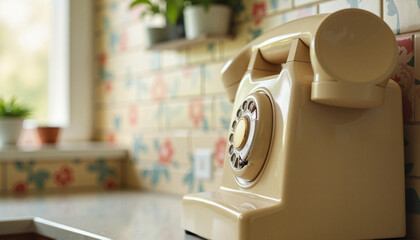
[{"x": 184, "y": 43}]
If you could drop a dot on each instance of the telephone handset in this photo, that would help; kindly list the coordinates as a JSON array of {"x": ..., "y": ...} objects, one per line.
[
  {"x": 352, "y": 54},
  {"x": 316, "y": 131}
]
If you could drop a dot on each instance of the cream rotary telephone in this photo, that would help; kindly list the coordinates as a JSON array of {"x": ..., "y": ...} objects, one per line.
[{"x": 315, "y": 147}]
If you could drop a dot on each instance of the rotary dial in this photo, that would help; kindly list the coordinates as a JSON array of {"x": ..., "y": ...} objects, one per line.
[{"x": 253, "y": 122}]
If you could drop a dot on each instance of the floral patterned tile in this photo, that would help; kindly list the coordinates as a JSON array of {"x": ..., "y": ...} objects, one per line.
[
  {"x": 42, "y": 176},
  {"x": 183, "y": 82},
  {"x": 373, "y": 6},
  {"x": 143, "y": 116},
  {"x": 412, "y": 199},
  {"x": 212, "y": 141},
  {"x": 402, "y": 16},
  {"x": 144, "y": 146},
  {"x": 254, "y": 10},
  {"x": 174, "y": 148},
  {"x": 404, "y": 74},
  {"x": 212, "y": 78},
  {"x": 223, "y": 113},
  {"x": 195, "y": 113},
  {"x": 177, "y": 181}
]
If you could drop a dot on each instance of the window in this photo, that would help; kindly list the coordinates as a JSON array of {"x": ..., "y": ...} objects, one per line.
[
  {"x": 25, "y": 37},
  {"x": 46, "y": 61}
]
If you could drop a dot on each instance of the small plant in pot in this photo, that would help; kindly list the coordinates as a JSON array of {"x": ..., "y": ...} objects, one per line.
[
  {"x": 207, "y": 17},
  {"x": 154, "y": 34},
  {"x": 171, "y": 10},
  {"x": 12, "y": 115}
]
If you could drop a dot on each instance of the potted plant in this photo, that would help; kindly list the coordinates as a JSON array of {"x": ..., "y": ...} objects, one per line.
[
  {"x": 171, "y": 10},
  {"x": 174, "y": 18},
  {"x": 155, "y": 34},
  {"x": 207, "y": 17},
  {"x": 12, "y": 115}
]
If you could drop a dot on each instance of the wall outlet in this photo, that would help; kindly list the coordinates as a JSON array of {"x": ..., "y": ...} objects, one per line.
[{"x": 203, "y": 164}]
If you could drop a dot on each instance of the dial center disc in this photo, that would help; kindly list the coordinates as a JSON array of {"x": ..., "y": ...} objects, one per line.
[{"x": 241, "y": 132}]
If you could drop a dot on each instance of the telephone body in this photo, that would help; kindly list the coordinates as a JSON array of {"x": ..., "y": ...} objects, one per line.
[{"x": 315, "y": 146}]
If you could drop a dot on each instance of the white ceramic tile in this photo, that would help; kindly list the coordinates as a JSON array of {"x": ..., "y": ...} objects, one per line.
[
  {"x": 402, "y": 16},
  {"x": 373, "y": 6}
]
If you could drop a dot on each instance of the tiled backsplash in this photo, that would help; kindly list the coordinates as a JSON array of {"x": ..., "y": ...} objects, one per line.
[
  {"x": 165, "y": 104},
  {"x": 37, "y": 175}
]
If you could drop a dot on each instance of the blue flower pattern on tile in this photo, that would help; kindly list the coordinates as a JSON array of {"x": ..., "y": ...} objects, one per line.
[
  {"x": 105, "y": 74},
  {"x": 114, "y": 39},
  {"x": 139, "y": 148},
  {"x": 354, "y": 3},
  {"x": 254, "y": 33},
  {"x": 155, "y": 62},
  {"x": 128, "y": 79},
  {"x": 392, "y": 10},
  {"x": 156, "y": 174},
  {"x": 210, "y": 47},
  {"x": 226, "y": 107},
  {"x": 38, "y": 178},
  {"x": 189, "y": 179},
  {"x": 274, "y": 4},
  {"x": 101, "y": 168},
  {"x": 117, "y": 122}
]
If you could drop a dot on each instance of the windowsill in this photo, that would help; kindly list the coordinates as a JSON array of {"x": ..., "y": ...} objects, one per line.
[{"x": 64, "y": 151}]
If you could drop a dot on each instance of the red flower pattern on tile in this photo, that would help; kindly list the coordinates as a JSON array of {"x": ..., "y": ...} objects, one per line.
[
  {"x": 404, "y": 75},
  {"x": 20, "y": 187},
  {"x": 64, "y": 176},
  {"x": 133, "y": 116},
  {"x": 111, "y": 138},
  {"x": 196, "y": 111},
  {"x": 166, "y": 152},
  {"x": 159, "y": 88},
  {"x": 110, "y": 184},
  {"x": 108, "y": 87},
  {"x": 405, "y": 42},
  {"x": 102, "y": 59},
  {"x": 258, "y": 12},
  {"x": 219, "y": 151}
]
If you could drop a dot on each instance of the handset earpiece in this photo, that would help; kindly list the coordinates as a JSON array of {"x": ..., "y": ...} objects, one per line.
[{"x": 353, "y": 55}]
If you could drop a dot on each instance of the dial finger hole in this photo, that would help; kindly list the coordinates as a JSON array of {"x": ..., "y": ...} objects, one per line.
[
  {"x": 231, "y": 149},
  {"x": 236, "y": 162},
  {"x": 232, "y": 158},
  {"x": 245, "y": 105},
  {"x": 234, "y": 125},
  {"x": 231, "y": 138},
  {"x": 239, "y": 113},
  {"x": 251, "y": 106}
]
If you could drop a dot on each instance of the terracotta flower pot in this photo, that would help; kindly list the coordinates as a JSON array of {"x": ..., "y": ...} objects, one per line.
[{"x": 48, "y": 134}]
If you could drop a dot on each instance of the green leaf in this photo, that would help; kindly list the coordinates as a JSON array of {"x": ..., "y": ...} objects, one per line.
[
  {"x": 12, "y": 108},
  {"x": 138, "y": 2}
]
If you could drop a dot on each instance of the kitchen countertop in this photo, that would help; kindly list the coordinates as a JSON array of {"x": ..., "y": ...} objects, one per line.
[{"x": 116, "y": 215}]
